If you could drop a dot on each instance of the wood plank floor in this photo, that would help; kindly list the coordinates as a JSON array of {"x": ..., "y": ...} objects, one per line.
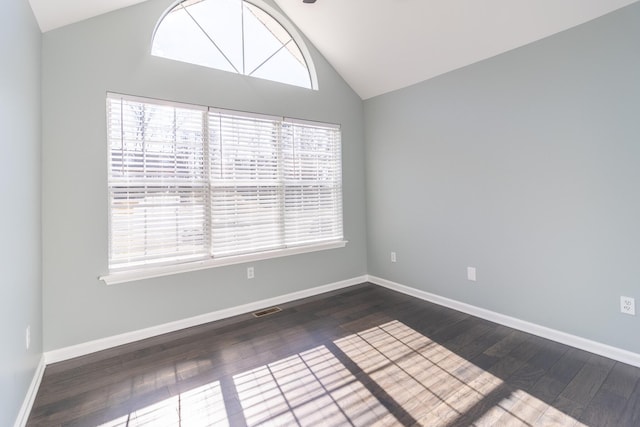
[{"x": 361, "y": 356}]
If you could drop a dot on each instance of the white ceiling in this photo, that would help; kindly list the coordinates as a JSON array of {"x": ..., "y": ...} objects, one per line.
[
  {"x": 381, "y": 45},
  {"x": 52, "y": 14}
]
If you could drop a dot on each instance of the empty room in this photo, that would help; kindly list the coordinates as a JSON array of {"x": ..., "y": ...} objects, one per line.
[{"x": 320, "y": 213}]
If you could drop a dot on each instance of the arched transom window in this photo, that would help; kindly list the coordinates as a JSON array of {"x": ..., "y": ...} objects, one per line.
[{"x": 235, "y": 36}]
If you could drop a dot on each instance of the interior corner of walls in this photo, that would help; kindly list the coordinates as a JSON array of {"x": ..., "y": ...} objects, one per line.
[
  {"x": 82, "y": 349},
  {"x": 30, "y": 396}
]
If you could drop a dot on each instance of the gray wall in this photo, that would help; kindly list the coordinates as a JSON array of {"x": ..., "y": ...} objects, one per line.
[
  {"x": 20, "y": 247},
  {"x": 81, "y": 62},
  {"x": 526, "y": 166}
]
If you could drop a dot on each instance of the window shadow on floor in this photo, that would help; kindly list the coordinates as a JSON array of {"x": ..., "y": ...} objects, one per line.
[{"x": 361, "y": 357}]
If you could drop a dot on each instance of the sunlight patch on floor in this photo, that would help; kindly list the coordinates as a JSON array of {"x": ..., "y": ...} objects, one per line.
[
  {"x": 201, "y": 406},
  {"x": 434, "y": 385},
  {"x": 406, "y": 378},
  {"x": 310, "y": 388},
  {"x": 520, "y": 408}
]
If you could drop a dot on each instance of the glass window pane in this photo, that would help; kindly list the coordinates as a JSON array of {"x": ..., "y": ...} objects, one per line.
[
  {"x": 222, "y": 21},
  {"x": 231, "y": 35},
  {"x": 263, "y": 37},
  {"x": 284, "y": 67},
  {"x": 180, "y": 38}
]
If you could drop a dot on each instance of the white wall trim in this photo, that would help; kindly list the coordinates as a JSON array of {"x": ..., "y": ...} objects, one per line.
[
  {"x": 70, "y": 352},
  {"x": 167, "y": 270},
  {"x": 30, "y": 397},
  {"x": 605, "y": 350}
]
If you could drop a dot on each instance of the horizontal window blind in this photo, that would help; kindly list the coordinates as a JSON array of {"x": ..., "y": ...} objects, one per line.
[
  {"x": 245, "y": 184},
  {"x": 187, "y": 184},
  {"x": 312, "y": 183},
  {"x": 158, "y": 185}
]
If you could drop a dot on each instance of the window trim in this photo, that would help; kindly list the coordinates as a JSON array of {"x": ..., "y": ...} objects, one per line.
[
  {"x": 280, "y": 18},
  {"x": 167, "y": 270},
  {"x": 160, "y": 270}
]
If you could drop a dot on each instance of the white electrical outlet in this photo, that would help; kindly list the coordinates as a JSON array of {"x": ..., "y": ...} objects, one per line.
[
  {"x": 250, "y": 273},
  {"x": 27, "y": 337},
  {"x": 471, "y": 274},
  {"x": 628, "y": 305},
  {"x": 393, "y": 257}
]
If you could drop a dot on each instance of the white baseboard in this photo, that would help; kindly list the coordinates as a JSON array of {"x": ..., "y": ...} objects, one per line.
[
  {"x": 70, "y": 352},
  {"x": 605, "y": 350},
  {"x": 512, "y": 322},
  {"x": 27, "y": 404}
]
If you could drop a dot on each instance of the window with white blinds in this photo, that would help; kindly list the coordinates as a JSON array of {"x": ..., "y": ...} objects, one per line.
[{"x": 196, "y": 184}]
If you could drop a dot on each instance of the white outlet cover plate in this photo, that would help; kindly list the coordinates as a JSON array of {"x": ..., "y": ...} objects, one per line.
[
  {"x": 471, "y": 274},
  {"x": 628, "y": 305}
]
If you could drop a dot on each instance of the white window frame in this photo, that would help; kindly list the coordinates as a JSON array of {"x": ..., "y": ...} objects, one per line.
[{"x": 174, "y": 266}]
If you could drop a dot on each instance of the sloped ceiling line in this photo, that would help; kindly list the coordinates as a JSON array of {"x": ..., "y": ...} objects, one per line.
[{"x": 383, "y": 45}]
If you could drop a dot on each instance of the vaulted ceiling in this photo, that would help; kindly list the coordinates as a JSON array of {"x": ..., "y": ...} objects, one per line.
[{"x": 379, "y": 46}]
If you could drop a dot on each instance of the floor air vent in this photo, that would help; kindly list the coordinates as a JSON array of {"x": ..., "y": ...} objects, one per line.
[{"x": 266, "y": 312}]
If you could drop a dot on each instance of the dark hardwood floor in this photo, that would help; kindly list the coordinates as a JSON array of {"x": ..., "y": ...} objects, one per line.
[{"x": 361, "y": 356}]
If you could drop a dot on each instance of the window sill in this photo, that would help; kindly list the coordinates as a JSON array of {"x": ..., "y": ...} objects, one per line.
[{"x": 149, "y": 273}]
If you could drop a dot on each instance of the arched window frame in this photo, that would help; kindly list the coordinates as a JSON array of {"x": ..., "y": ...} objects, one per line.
[{"x": 280, "y": 18}]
